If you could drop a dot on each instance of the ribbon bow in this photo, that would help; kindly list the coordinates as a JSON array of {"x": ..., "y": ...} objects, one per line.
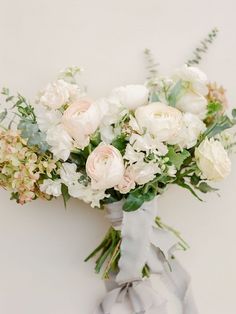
[{"x": 140, "y": 296}]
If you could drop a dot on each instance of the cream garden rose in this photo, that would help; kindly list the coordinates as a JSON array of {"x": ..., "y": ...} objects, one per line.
[
  {"x": 105, "y": 167},
  {"x": 161, "y": 121},
  {"x": 58, "y": 93},
  {"x": 212, "y": 159},
  {"x": 80, "y": 120},
  {"x": 131, "y": 96},
  {"x": 193, "y": 100}
]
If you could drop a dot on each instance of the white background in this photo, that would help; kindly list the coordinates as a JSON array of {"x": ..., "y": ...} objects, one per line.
[{"x": 42, "y": 246}]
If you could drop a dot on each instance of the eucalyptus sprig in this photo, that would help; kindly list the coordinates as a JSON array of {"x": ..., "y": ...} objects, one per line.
[{"x": 203, "y": 47}]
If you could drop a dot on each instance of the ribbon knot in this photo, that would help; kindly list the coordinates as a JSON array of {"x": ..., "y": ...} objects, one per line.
[{"x": 141, "y": 297}]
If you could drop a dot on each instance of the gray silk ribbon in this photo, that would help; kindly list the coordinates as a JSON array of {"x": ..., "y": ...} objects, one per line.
[
  {"x": 144, "y": 243},
  {"x": 141, "y": 296}
]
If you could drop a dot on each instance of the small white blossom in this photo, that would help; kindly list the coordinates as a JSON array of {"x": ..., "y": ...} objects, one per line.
[
  {"x": 51, "y": 187},
  {"x": 60, "y": 142}
]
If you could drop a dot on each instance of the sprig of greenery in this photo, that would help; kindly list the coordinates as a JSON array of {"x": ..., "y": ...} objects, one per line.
[
  {"x": 151, "y": 65},
  {"x": 203, "y": 47}
]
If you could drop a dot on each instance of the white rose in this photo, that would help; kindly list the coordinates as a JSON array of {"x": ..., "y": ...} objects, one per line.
[
  {"x": 58, "y": 93},
  {"x": 80, "y": 120},
  {"x": 161, "y": 121},
  {"x": 195, "y": 77},
  {"x": 60, "y": 142},
  {"x": 193, "y": 103},
  {"x": 51, "y": 187},
  {"x": 128, "y": 182},
  {"x": 212, "y": 159},
  {"x": 191, "y": 130},
  {"x": 105, "y": 167},
  {"x": 131, "y": 96},
  {"x": 144, "y": 172}
]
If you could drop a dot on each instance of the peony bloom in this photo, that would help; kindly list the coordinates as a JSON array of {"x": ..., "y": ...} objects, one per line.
[
  {"x": 105, "y": 167},
  {"x": 127, "y": 183},
  {"x": 59, "y": 93},
  {"x": 161, "y": 121},
  {"x": 80, "y": 120},
  {"x": 212, "y": 159},
  {"x": 131, "y": 96}
]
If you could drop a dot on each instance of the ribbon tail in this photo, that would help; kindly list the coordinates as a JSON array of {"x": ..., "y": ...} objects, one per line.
[{"x": 178, "y": 281}]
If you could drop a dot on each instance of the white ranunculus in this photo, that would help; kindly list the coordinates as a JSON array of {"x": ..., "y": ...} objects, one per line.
[
  {"x": 212, "y": 159},
  {"x": 144, "y": 172},
  {"x": 193, "y": 103},
  {"x": 131, "y": 96},
  {"x": 80, "y": 120},
  {"x": 105, "y": 167},
  {"x": 51, "y": 187},
  {"x": 191, "y": 130},
  {"x": 46, "y": 118},
  {"x": 58, "y": 93},
  {"x": 128, "y": 181},
  {"x": 195, "y": 77},
  {"x": 161, "y": 121},
  {"x": 60, "y": 142}
]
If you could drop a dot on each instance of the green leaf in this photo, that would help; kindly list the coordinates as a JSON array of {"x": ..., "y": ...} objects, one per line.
[
  {"x": 234, "y": 112},
  {"x": 65, "y": 194},
  {"x": 177, "y": 159},
  {"x": 154, "y": 97},
  {"x": 204, "y": 187},
  {"x": 219, "y": 126},
  {"x": 174, "y": 93},
  {"x": 120, "y": 143},
  {"x": 213, "y": 108},
  {"x": 184, "y": 185},
  {"x": 5, "y": 91},
  {"x": 134, "y": 201},
  {"x": 195, "y": 180},
  {"x": 9, "y": 98},
  {"x": 3, "y": 115}
]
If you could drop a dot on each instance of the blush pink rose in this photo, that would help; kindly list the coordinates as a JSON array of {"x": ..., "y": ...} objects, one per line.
[
  {"x": 105, "y": 167},
  {"x": 80, "y": 120}
]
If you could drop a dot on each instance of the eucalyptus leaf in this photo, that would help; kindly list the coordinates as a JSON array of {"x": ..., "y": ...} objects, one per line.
[
  {"x": 175, "y": 93},
  {"x": 3, "y": 115},
  {"x": 219, "y": 126},
  {"x": 234, "y": 112}
]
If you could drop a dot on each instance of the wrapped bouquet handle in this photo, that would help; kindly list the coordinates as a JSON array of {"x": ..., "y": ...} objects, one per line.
[{"x": 140, "y": 249}]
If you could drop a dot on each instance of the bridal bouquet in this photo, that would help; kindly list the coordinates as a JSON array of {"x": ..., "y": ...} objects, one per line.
[{"x": 119, "y": 153}]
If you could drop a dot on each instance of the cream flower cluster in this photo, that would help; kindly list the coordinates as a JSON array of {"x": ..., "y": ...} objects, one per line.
[{"x": 176, "y": 118}]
